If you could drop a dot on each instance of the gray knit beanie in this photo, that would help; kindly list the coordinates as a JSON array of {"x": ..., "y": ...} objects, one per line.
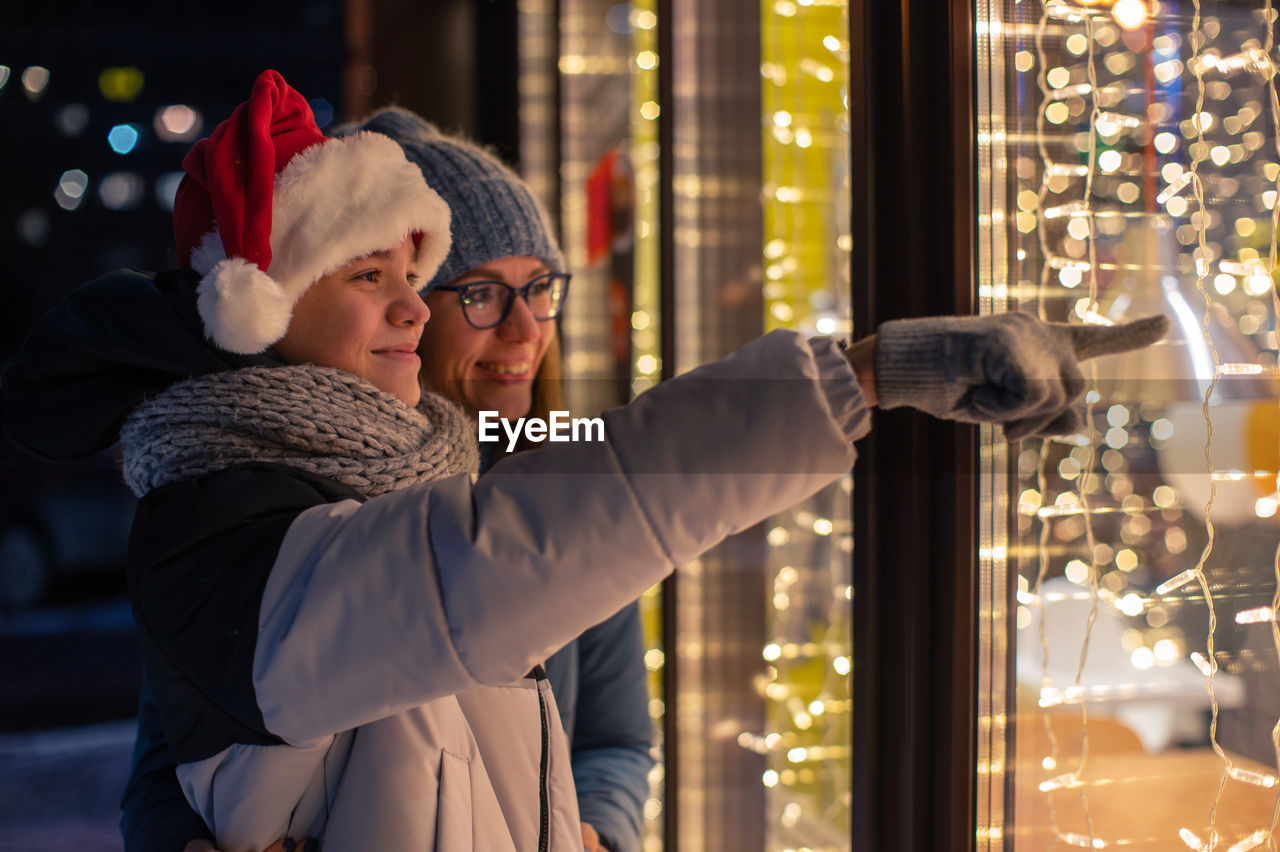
[{"x": 494, "y": 215}]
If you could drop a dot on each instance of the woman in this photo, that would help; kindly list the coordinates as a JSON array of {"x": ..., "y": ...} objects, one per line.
[
  {"x": 599, "y": 678},
  {"x": 343, "y": 625}
]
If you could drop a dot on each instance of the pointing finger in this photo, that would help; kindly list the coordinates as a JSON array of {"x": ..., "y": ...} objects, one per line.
[{"x": 1090, "y": 341}]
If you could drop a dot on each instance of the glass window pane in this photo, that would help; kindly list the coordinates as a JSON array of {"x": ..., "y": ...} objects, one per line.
[{"x": 1128, "y": 166}]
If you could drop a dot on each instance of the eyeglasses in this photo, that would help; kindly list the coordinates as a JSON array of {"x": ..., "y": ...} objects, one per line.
[{"x": 486, "y": 304}]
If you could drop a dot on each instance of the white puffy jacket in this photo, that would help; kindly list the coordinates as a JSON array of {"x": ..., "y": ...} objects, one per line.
[{"x": 360, "y": 672}]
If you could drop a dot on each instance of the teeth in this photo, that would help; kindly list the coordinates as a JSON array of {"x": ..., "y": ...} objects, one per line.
[{"x": 507, "y": 369}]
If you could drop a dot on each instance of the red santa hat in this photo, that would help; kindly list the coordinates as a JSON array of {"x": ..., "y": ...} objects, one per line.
[{"x": 269, "y": 205}]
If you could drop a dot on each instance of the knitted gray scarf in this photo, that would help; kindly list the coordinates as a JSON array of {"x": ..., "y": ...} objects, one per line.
[{"x": 316, "y": 419}]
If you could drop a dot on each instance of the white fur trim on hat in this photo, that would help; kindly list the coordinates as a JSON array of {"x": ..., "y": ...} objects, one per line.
[{"x": 333, "y": 202}]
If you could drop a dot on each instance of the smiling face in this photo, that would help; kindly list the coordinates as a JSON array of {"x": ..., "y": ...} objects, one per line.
[
  {"x": 488, "y": 369},
  {"x": 365, "y": 318}
]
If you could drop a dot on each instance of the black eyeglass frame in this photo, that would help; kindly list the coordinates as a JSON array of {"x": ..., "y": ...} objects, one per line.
[{"x": 523, "y": 291}]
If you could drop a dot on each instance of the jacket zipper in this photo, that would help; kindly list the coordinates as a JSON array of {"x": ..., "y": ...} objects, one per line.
[{"x": 539, "y": 674}]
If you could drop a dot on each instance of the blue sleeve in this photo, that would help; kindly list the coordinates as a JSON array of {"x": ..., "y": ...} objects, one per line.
[
  {"x": 613, "y": 733},
  {"x": 155, "y": 816}
]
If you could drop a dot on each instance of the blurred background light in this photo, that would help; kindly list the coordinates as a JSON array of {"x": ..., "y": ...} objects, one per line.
[
  {"x": 34, "y": 81},
  {"x": 71, "y": 187},
  {"x": 181, "y": 123},
  {"x": 121, "y": 190},
  {"x": 72, "y": 119},
  {"x": 34, "y": 227},
  {"x": 121, "y": 85},
  {"x": 122, "y": 138},
  {"x": 167, "y": 188}
]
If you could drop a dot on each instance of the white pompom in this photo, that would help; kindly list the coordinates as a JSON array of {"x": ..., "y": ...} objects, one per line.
[{"x": 244, "y": 309}]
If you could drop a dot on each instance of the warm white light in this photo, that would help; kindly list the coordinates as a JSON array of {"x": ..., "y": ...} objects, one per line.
[
  {"x": 1256, "y": 285},
  {"x": 1131, "y": 604},
  {"x": 1177, "y": 581},
  {"x": 1069, "y": 277},
  {"x": 1257, "y": 615},
  {"x": 1248, "y": 776},
  {"x": 1189, "y": 837},
  {"x": 1165, "y": 142},
  {"x": 1165, "y": 650},
  {"x": 1253, "y": 841},
  {"x": 1129, "y": 14}
]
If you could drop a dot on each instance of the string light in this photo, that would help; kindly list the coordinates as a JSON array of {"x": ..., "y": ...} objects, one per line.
[{"x": 1132, "y": 185}]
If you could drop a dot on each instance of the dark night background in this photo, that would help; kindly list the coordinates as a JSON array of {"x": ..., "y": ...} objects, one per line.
[{"x": 69, "y": 664}]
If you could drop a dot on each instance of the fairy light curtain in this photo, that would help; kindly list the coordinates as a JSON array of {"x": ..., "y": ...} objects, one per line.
[
  {"x": 1128, "y": 164},
  {"x": 806, "y": 684}
]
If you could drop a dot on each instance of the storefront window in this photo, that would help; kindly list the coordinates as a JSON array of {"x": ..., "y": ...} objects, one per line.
[
  {"x": 808, "y": 652},
  {"x": 1128, "y": 165}
]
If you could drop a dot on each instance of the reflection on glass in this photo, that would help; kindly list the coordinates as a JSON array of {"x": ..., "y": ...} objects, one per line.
[{"x": 1128, "y": 161}]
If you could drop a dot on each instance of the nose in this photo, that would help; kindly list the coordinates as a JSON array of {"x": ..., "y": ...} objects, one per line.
[
  {"x": 520, "y": 325},
  {"x": 408, "y": 309}
]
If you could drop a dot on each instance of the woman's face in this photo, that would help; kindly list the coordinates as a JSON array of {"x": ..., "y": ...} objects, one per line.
[
  {"x": 488, "y": 369},
  {"x": 364, "y": 318}
]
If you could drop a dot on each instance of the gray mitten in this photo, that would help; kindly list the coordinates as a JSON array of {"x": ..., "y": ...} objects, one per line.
[{"x": 1009, "y": 368}]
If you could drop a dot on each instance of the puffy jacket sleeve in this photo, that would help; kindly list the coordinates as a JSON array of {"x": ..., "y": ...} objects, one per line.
[
  {"x": 371, "y": 608},
  {"x": 613, "y": 732}
]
